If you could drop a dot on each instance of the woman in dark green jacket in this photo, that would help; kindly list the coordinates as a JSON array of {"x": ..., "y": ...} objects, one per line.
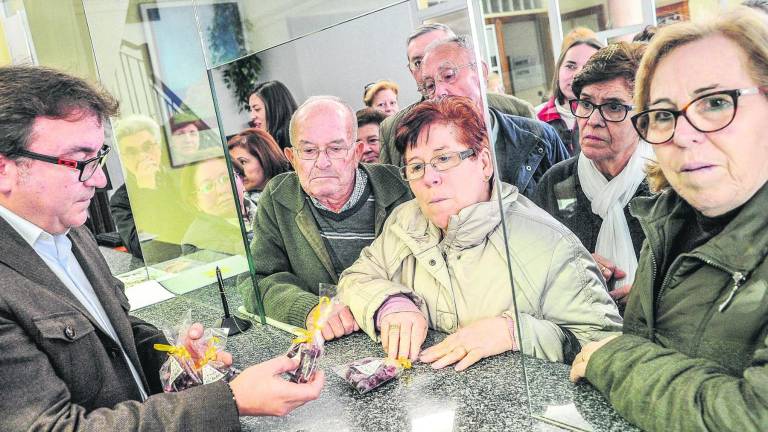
[{"x": 694, "y": 352}]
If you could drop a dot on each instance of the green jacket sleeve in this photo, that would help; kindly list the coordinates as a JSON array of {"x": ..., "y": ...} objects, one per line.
[
  {"x": 286, "y": 297},
  {"x": 660, "y": 389}
]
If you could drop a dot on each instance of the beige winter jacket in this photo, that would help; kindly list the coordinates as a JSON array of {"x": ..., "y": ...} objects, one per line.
[{"x": 461, "y": 276}]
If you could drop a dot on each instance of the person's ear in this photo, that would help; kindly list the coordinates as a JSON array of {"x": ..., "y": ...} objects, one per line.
[
  {"x": 8, "y": 174},
  {"x": 484, "y": 65},
  {"x": 359, "y": 148},
  {"x": 288, "y": 152},
  {"x": 487, "y": 162}
]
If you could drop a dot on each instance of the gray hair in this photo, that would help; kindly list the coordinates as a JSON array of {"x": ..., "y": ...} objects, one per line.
[
  {"x": 429, "y": 28},
  {"x": 463, "y": 42},
  {"x": 134, "y": 124},
  {"x": 350, "y": 115},
  {"x": 759, "y": 5}
]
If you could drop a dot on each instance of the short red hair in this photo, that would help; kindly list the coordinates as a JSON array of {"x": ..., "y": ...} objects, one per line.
[{"x": 460, "y": 112}]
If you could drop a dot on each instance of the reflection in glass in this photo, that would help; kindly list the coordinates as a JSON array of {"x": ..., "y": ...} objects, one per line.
[
  {"x": 215, "y": 225},
  {"x": 152, "y": 191}
]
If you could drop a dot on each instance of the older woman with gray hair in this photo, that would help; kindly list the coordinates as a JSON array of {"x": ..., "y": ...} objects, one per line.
[
  {"x": 590, "y": 193},
  {"x": 694, "y": 353}
]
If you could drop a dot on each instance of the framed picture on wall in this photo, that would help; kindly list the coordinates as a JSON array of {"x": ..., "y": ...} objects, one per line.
[{"x": 179, "y": 60}]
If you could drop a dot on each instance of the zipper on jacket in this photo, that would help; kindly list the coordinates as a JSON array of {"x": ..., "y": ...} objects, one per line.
[{"x": 738, "y": 278}]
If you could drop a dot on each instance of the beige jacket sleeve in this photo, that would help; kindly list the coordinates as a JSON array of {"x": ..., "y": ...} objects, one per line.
[
  {"x": 372, "y": 279},
  {"x": 572, "y": 296}
]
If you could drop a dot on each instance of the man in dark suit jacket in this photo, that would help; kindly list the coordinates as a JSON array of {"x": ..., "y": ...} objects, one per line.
[{"x": 72, "y": 358}]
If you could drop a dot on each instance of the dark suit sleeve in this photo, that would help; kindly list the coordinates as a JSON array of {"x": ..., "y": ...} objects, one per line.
[
  {"x": 146, "y": 336},
  {"x": 35, "y": 398},
  {"x": 545, "y": 193},
  {"x": 120, "y": 206}
]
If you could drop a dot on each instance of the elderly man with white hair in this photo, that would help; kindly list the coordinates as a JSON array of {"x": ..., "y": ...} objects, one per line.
[{"x": 312, "y": 223}]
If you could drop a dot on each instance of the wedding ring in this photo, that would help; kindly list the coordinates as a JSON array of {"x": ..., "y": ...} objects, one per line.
[{"x": 394, "y": 328}]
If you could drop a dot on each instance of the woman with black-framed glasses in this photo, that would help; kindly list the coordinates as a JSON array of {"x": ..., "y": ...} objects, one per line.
[
  {"x": 590, "y": 193},
  {"x": 441, "y": 261},
  {"x": 694, "y": 353}
]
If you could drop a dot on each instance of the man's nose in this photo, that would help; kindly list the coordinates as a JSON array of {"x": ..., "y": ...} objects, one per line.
[
  {"x": 98, "y": 179},
  {"x": 323, "y": 160}
]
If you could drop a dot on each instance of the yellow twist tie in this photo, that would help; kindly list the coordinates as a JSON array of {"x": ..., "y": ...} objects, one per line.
[
  {"x": 305, "y": 336},
  {"x": 404, "y": 362},
  {"x": 317, "y": 314},
  {"x": 174, "y": 350}
]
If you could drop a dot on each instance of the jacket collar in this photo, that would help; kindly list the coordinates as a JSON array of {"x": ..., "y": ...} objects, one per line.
[
  {"x": 18, "y": 255},
  {"x": 740, "y": 247},
  {"x": 549, "y": 112},
  {"x": 288, "y": 192},
  {"x": 467, "y": 229}
]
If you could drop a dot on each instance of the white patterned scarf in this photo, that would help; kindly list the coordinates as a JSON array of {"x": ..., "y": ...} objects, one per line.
[{"x": 608, "y": 199}]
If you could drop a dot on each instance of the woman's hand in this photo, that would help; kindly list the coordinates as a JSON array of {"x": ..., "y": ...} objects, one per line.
[
  {"x": 402, "y": 334},
  {"x": 608, "y": 268},
  {"x": 579, "y": 367},
  {"x": 470, "y": 344}
]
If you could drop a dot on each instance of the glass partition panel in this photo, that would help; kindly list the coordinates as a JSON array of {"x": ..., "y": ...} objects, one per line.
[
  {"x": 519, "y": 49},
  {"x": 178, "y": 207},
  {"x": 234, "y": 28},
  {"x": 336, "y": 61}
]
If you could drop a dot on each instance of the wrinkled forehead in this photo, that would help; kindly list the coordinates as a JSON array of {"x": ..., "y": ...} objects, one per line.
[
  {"x": 323, "y": 113},
  {"x": 442, "y": 55},
  {"x": 418, "y": 46}
]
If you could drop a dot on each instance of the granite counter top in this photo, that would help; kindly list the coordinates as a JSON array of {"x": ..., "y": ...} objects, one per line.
[{"x": 491, "y": 395}]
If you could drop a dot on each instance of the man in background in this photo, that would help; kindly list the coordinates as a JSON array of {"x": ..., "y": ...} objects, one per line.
[
  {"x": 417, "y": 44},
  {"x": 368, "y": 122}
]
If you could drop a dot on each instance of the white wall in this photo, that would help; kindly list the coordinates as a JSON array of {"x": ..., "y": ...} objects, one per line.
[{"x": 338, "y": 61}]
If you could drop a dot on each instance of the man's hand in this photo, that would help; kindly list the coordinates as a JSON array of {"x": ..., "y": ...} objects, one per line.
[
  {"x": 340, "y": 322},
  {"x": 196, "y": 351},
  {"x": 146, "y": 174},
  {"x": 470, "y": 344},
  {"x": 579, "y": 367},
  {"x": 259, "y": 389},
  {"x": 402, "y": 334}
]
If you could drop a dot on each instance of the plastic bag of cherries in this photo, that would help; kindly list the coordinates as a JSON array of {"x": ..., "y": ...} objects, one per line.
[
  {"x": 193, "y": 363},
  {"x": 368, "y": 373}
]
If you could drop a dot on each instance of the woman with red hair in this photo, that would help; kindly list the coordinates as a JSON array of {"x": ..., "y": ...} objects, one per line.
[{"x": 441, "y": 260}]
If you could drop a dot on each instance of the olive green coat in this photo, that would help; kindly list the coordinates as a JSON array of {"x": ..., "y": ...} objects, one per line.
[
  {"x": 693, "y": 355},
  {"x": 289, "y": 256}
]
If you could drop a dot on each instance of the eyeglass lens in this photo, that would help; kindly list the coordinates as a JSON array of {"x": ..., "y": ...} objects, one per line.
[{"x": 708, "y": 114}]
